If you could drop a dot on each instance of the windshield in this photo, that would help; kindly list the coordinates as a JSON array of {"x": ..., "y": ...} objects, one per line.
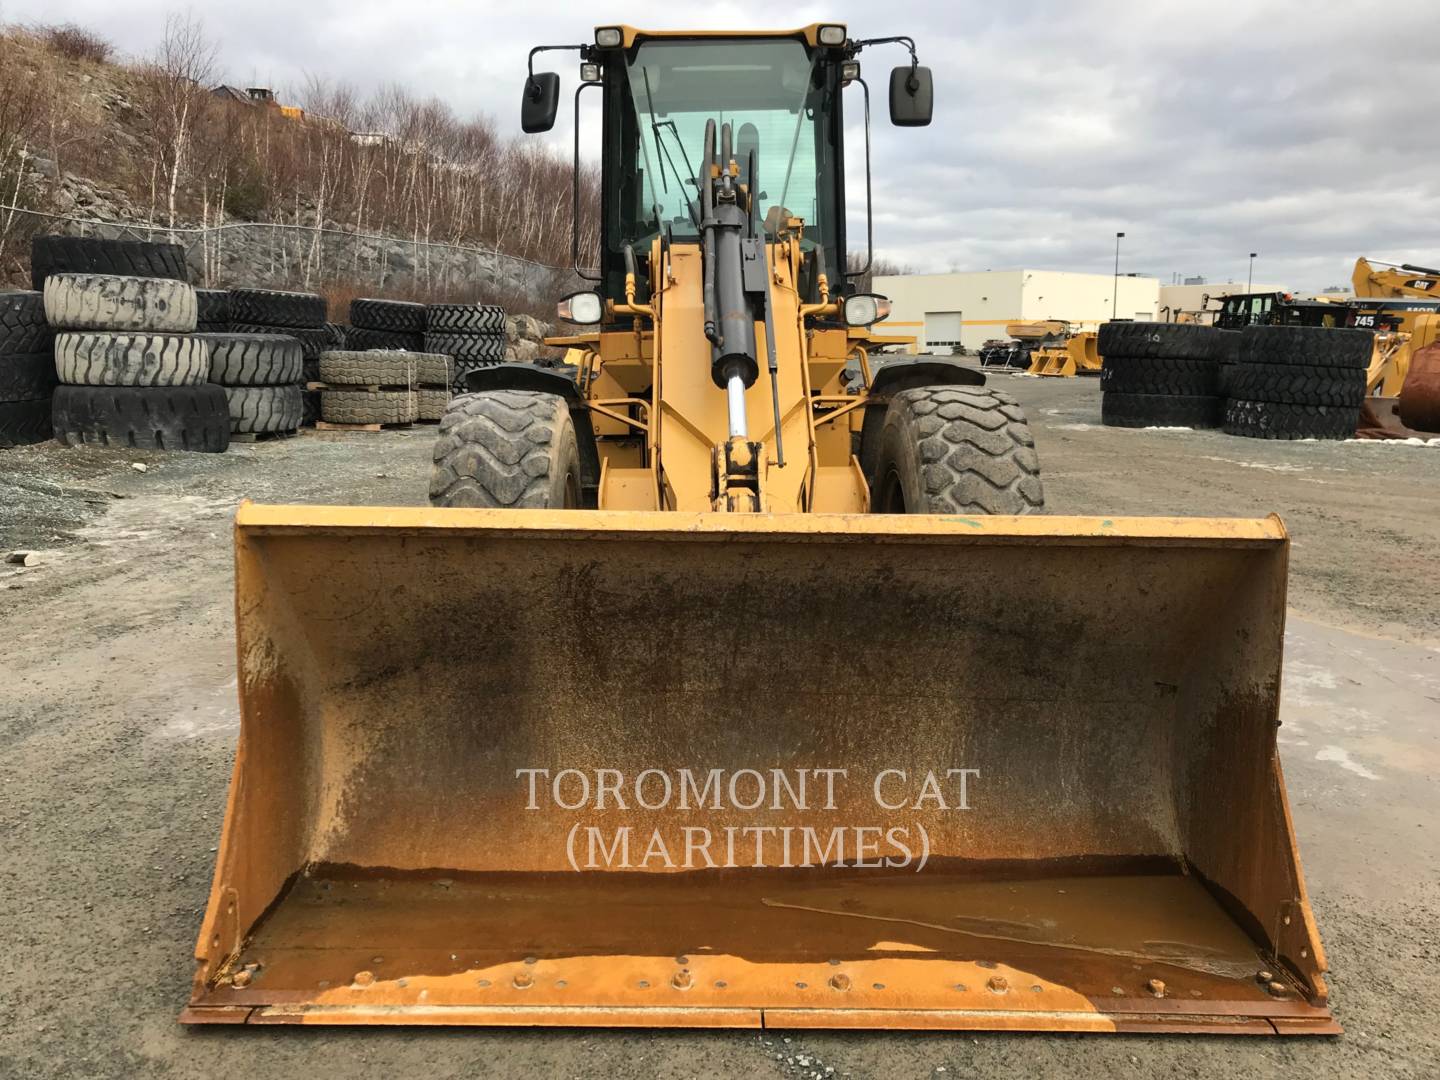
[{"x": 771, "y": 94}]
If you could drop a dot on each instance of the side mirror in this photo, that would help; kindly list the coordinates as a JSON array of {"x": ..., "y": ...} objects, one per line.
[
  {"x": 542, "y": 101},
  {"x": 912, "y": 96}
]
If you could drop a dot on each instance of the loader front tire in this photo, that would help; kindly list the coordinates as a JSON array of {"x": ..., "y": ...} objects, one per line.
[
  {"x": 507, "y": 448},
  {"x": 956, "y": 450}
]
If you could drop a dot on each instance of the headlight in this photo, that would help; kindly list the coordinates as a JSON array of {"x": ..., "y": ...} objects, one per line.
[
  {"x": 831, "y": 35},
  {"x": 866, "y": 309},
  {"x": 849, "y": 71},
  {"x": 608, "y": 37},
  {"x": 589, "y": 73},
  {"x": 585, "y": 308}
]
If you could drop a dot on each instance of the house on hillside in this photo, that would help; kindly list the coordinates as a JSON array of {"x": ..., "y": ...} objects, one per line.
[{"x": 259, "y": 97}]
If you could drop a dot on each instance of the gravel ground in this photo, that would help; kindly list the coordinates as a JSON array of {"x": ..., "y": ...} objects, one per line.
[{"x": 118, "y": 719}]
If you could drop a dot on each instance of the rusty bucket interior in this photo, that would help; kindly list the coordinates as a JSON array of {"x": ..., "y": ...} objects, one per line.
[{"x": 581, "y": 768}]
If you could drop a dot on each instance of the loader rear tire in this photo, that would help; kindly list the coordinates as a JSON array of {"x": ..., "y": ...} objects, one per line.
[
  {"x": 956, "y": 449},
  {"x": 507, "y": 448}
]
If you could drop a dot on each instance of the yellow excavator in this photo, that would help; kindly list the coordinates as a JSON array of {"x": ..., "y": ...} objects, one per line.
[
  {"x": 679, "y": 707},
  {"x": 1401, "y": 303}
]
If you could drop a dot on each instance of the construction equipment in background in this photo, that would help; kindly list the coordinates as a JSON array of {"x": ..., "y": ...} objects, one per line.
[
  {"x": 1239, "y": 310},
  {"x": 1018, "y": 351},
  {"x": 669, "y": 731},
  {"x": 1381, "y": 280},
  {"x": 1401, "y": 303},
  {"x": 1075, "y": 354}
]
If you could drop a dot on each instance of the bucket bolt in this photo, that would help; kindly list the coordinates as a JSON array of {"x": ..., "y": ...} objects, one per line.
[
  {"x": 998, "y": 984},
  {"x": 1156, "y": 987},
  {"x": 840, "y": 981},
  {"x": 681, "y": 980}
]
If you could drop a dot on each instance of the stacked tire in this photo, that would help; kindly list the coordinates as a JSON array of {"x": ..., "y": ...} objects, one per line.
[
  {"x": 372, "y": 387},
  {"x": 385, "y": 324},
  {"x": 212, "y": 311},
  {"x": 262, "y": 378},
  {"x": 472, "y": 335},
  {"x": 27, "y": 369},
  {"x": 432, "y": 393},
  {"x": 1297, "y": 382},
  {"x": 298, "y": 315},
  {"x": 117, "y": 258},
  {"x": 1156, "y": 374},
  {"x": 131, "y": 372}
]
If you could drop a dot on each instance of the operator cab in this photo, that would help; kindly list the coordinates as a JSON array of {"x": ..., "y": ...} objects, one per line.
[{"x": 782, "y": 95}]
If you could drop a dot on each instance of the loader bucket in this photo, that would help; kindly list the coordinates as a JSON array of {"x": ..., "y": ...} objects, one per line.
[{"x": 588, "y": 768}]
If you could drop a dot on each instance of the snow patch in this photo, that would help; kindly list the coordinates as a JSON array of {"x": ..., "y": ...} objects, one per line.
[
  {"x": 1342, "y": 758},
  {"x": 1412, "y": 441}
]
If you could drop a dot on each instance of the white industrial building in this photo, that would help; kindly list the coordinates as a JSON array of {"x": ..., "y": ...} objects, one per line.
[{"x": 942, "y": 310}]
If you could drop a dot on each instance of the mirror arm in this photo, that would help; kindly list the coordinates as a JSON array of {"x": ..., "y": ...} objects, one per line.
[
  {"x": 575, "y": 189},
  {"x": 531, "y": 87},
  {"x": 912, "y": 84},
  {"x": 869, "y": 212}
]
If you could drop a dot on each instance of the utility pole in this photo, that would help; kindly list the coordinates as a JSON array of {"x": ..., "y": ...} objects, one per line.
[
  {"x": 1115, "y": 299},
  {"x": 1250, "y": 280}
]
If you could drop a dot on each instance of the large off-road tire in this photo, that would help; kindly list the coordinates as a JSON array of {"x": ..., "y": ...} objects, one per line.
[
  {"x": 474, "y": 348},
  {"x": 313, "y": 339},
  {"x": 400, "y": 315},
  {"x": 465, "y": 319},
  {"x": 1161, "y": 410},
  {"x": 432, "y": 369},
  {"x": 955, "y": 450},
  {"x": 1281, "y": 420},
  {"x": 368, "y": 406},
  {"x": 24, "y": 422},
  {"x": 23, "y": 328},
  {"x": 345, "y": 368},
  {"x": 156, "y": 418},
  {"x": 1186, "y": 341},
  {"x": 1160, "y": 375},
  {"x": 109, "y": 302},
  {"x": 1313, "y": 346},
  {"x": 89, "y": 255},
  {"x": 507, "y": 448},
  {"x": 360, "y": 339},
  {"x": 254, "y": 359},
  {"x": 1297, "y": 384},
  {"x": 27, "y": 376},
  {"x": 92, "y": 359},
  {"x": 1227, "y": 349},
  {"x": 261, "y": 409},
  {"x": 212, "y": 307},
  {"x": 271, "y": 307},
  {"x": 431, "y": 404}
]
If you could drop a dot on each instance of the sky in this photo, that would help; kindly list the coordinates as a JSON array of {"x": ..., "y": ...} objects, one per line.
[{"x": 1302, "y": 132}]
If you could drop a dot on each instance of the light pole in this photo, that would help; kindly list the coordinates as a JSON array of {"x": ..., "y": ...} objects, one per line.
[
  {"x": 1115, "y": 298},
  {"x": 1250, "y": 279}
]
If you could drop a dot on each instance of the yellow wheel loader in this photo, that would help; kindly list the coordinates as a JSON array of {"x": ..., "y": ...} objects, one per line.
[{"x": 679, "y": 707}]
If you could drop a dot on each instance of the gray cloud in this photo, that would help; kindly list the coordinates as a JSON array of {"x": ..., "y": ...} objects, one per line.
[{"x": 1202, "y": 131}]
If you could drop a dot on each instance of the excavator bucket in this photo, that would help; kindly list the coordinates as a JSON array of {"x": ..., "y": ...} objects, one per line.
[{"x": 700, "y": 770}]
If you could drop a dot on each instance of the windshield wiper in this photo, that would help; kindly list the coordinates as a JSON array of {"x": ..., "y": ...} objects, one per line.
[
  {"x": 663, "y": 156},
  {"x": 689, "y": 171}
]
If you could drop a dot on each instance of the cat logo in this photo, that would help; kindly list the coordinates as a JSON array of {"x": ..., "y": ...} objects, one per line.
[{"x": 1424, "y": 284}]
